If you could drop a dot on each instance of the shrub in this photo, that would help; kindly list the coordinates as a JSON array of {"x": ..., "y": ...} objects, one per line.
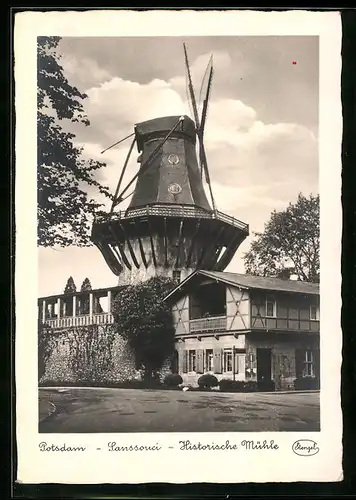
[
  {"x": 207, "y": 381},
  {"x": 228, "y": 385},
  {"x": 306, "y": 383},
  {"x": 250, "y": 386},
  {"x": 266, "y": 385},
  {"x": 126, "y": 384},
  {"x": 173, "y": 380}
]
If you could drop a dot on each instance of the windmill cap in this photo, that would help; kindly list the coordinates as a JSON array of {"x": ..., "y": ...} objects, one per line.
[{"x": 160, "y": 127}]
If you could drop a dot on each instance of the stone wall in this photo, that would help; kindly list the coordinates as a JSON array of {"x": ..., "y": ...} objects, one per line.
[
  {"x": 89, "y": 354},
  {"x": 105, "y": 357}
]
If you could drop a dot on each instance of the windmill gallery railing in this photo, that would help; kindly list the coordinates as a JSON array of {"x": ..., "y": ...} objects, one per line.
[{"x": 175, "y": 211}]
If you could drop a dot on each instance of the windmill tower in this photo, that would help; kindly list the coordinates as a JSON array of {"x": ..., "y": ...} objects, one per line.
[{"x": 169, "y": 228}]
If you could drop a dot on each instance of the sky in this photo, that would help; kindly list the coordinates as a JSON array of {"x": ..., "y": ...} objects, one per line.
[{"x": 261, "y": 135}]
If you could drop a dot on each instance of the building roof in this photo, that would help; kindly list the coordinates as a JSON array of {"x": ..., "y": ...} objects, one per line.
[
  {"x": 240, "y": 280},
  {"x": 265, "y": 283},
  {"x": 254, "y": 283}
]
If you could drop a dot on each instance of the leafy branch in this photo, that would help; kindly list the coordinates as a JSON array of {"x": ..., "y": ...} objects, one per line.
[
  {"x": 65, "y": 209},
  {"x": 290, "y": 242}
]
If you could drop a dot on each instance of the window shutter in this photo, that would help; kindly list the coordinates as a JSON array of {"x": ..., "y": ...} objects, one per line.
[
  {"x": 217, "y": 361},
  {"x": 316, "y": 358},
  {"x": 184, "y": 356},
  {"x": 292, "y": 364},
  {"x": 183, "y": 361},
  {"x": 180, "y": 361},
  {"x": 299, "y": 362},
  {"x": 174, "y": 362},
  {"x": 200, "y": 360}
]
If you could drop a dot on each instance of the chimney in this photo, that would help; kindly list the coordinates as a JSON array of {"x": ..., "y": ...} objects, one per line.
[{"x": 284, "y": 274}]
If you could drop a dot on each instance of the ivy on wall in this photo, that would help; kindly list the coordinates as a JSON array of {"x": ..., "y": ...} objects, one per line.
[
  {"x": 145, "y": 321},
  {"x": 90, "y": 351},
  {"x": 87, "y": 351},
  {"x": 46, "y": 345},
  {"x": 142, "y": 338}
]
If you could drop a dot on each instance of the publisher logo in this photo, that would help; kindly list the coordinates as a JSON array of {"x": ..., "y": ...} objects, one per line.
[{"x": 305, "y": 448}]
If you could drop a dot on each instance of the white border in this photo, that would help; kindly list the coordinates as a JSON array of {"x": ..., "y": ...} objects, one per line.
[{"x": 171, "y": 465}]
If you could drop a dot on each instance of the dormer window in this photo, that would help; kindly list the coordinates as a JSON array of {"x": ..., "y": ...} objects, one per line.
[{"x": 270, "y": 307}]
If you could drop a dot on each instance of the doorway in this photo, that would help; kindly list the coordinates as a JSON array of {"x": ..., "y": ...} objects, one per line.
[{"x": 264, "y": 368}]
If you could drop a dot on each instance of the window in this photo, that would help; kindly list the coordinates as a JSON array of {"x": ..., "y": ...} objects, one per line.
[
  {"x": 191, "y": 361},
  {"x": 176, "y": 276},
  {"x": 313, "y": 312},
  {"x": 270, "y": 308},
  {"x": 209, "y": 361},
  {"x": 228, "y": 360},
  {"x": 309, "y": 364}
]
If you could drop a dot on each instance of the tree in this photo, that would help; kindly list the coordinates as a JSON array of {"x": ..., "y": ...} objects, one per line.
[
  {"x": 289, "y": 244},
  {"x": 86, "y": 285},
  {"x": 70, "y": 286},
  {"x": 145, "y": 321},
  {"x": 63, "y": 177}
]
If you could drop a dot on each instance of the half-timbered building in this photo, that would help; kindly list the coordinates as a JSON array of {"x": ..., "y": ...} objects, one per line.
[{"x": 246, "y": 328}]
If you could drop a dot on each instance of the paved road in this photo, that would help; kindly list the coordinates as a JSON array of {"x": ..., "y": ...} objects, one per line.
[{"x": 133, "y": 410}]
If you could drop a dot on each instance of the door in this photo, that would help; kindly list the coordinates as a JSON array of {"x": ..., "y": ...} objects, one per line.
[{"x": 264, "y": 368}]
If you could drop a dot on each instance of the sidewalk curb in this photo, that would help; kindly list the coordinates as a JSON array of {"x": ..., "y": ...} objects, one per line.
[
  {"x": 54, "y": 409},
  {"x": 217, "y": 392},
  {"x": 291, "y": 392}
]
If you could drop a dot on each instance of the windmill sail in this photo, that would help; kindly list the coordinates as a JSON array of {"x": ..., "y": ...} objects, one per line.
[
  {"x": 205, "y": 83},
  {"x": 191, "y": 89},
  {"x": 199, "y": 129},
  {"x": 202, "y": 124},
  {"x": 206, "y": 101}
]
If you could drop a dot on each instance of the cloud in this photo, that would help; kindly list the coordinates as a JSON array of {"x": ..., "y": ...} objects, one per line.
[
  {"x": 119, "y": 104},
  {"x": 222, "y": 66},
  {"x": 85, "y": 71},
  {"x": 258, "y": 70}
]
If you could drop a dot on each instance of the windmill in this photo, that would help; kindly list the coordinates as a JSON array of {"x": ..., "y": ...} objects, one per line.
[{"x": 169, "y": 227}]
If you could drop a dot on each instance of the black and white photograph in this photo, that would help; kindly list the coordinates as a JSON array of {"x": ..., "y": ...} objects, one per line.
[{"x": 178, "y": 240}]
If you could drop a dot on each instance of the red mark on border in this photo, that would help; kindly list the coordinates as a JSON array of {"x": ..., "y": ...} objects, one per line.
[{"x": 294, "y": 62}]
